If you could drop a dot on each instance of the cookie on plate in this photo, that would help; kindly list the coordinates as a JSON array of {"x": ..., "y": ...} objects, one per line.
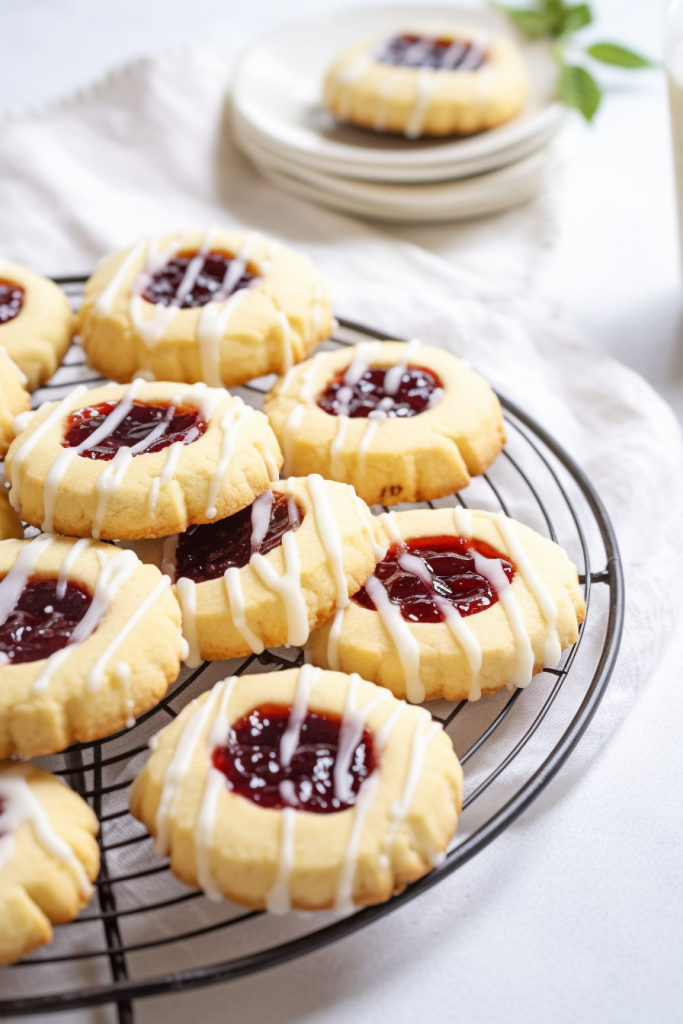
[
  {"x": 146, "y": 460},
  {"x": 89, "y": 639},
  {"x": 300, "y": 789},
  {"x": 464, "y": 603},
  {"x": 36, "y": 323},
  {"x": 401, "y": 422},
  {"x": 458, "y": 82},
  {"x": 48, "y": 857},
  {"x": 14, "y": 398},
  {"x": 268, "y": 574},
  {"x": 216, "y": 306}
]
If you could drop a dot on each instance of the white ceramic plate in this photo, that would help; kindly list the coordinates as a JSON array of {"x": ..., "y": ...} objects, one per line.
[
  {"x": 277, "y": 87},
  {"x": 458, "y": 200}
]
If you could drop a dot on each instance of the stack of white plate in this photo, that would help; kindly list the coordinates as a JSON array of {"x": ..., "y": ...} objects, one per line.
[{"x": 280, "y": 124}]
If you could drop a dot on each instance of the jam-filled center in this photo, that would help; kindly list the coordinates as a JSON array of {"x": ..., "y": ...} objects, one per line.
[
  {"x": 145, "y": 428},
  {"x": 392, "y": 392},
  {"x": 205, "y": 552},
  {"x": 42, "y": 621},
  {"x": 257, "y": 766},
  {"x": 192, "y": 279},
  {"x": 11, "y": 300},
  {"x": 425, "y": 575},
  {"x": 413, "y": 51}
]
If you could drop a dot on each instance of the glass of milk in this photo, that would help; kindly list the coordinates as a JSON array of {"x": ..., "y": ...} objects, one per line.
[{"x": 673, "y": 57}]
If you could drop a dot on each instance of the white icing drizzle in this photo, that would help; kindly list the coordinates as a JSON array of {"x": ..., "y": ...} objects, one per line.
[
  {"x": 308, "y": 677},
  {"x": 286, "y": 335},
  {"x": 13, "y": 584},
  {"x": 168, "y": 555},
  {"x": 271, "y": 466},
  {"x": 112, "y": 576},
  {"x": 20, "y": 804},
  {"x": 425, "y": 732},
  {"x": 347, "y": 77},
  {"x": 455, "y": 622},
  {"x": 547, "y": 607},
  {"x": 288, "y": 587},
  {"x": 407, "y": 647},
  {"x": 20, "y": 455},
  {"x": 427, "y": 83},
  {"x": 307, "y": 391},
  {"x": 291, "y": 426},
  {"x": 330, "y": 536},
  {"x": 492, "y": 570},
  {"x": 187, "y": 595},
  {"x": 373, "y": 421},
  {"x": 278, "y": 899},
  {"x": 106, "y": 299},
  {"x": 96, "y": 673},
  {"x": 152, "y": 330},
  {"x": 336, "y": 458},
  {"x": 364, "y": 355},
  {"x": 333, "y": 639},
  {"x": 260, "y": 518},
  {"x": 216, "y": 781},
  {"x": 179, "y": 766},
  {"x": 350, "y": 734},
  {"x": 173, "y": 453},
  {"x": 108, "y": 482},
  {"x": 392, "y": 377},
  {"x": 368, "y": 520},
  {"x": 463, "y": 521},
  {"x": 231, "y": 422},
  {"x": 123, "y": 674},
  {"x": 68, "y": 562},
  {"x": 233, "y": 587},
  {"x": 212, "y": 326}
]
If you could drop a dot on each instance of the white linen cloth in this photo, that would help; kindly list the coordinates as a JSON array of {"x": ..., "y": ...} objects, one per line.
[{"x": 149, "y": 149}]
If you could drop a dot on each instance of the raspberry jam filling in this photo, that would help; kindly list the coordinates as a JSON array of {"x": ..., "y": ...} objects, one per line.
[
  {"x": 204, "y": 552},
  {"x": 42, "y": 621},
  {"x": 146, "y": 428},
  {"x": 11, "y": 300},
  {"x": 252, "y": 761},
  {"x": 213, "y": 279},
  {"x": 453, "y": 577},
  {"x": 417, "y": 390},
  {"x": 411, "y": 51}
]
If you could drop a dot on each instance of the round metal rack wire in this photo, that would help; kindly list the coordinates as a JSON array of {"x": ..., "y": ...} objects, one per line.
[{"x": 146, "y": 934}]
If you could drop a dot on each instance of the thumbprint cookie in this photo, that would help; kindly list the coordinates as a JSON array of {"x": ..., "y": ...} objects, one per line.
[
  {"x": 401, "y": 422},
  {"x": 14, "y": 398},
  {"x": 36, "y": 323},
  {"x": 10, "y": 524},
  {"x": 49, "y": 857},
  {"x": 416, "y": 83},
  {"x": 146, "y": 460},
  {"x": 215, "y": 306},
  {"x": 300, "y": 789},
  {"x": 89, "y": 639},
  {"x": 463, "y": 604},
  {"x": 268, "y": 574}
]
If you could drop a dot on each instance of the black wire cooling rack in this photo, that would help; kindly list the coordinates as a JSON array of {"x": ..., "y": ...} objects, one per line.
[{"x": 146, "y": 934}]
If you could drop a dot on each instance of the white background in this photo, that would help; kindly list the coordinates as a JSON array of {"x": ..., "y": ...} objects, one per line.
[{"x": 528, "y": 931}]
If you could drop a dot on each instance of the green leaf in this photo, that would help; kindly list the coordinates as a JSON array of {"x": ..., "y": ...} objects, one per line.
[
  {"x": 574, "y": 18},
  {"x": 611, "y": 53},
  {"x": 531, "y": 23},
  {"x": 577, "y": 88}
]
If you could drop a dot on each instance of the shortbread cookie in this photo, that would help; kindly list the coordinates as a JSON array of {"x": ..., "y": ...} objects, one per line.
[
  {"x": 14, "y": 398},
  {"x": 36, "y": 323},
  {"x": 463, "y": 603},
  {"x": 300, "y": 789},
  {"x": 10, "y": 524},
  {"x": 89, "y": 639},
  {"x": 401, "y": 422},
  {"x": 48, "y": 857},
  {"x": 143, "y": 461},
  {"x": 218, "y": 306},
  {"x": 455, "y": 83},
  {"x": 267, "y": 575}
]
